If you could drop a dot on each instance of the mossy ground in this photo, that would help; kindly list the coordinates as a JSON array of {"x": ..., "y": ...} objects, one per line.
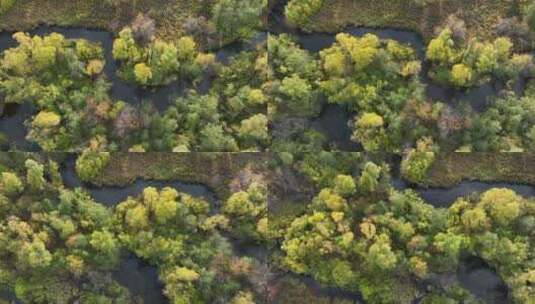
[
  {"x": 480, "y": 16},
  {"x": 215, "y": 170},
  {"x": 450, "y": 169},
  {"x": 168, "y": 14}
]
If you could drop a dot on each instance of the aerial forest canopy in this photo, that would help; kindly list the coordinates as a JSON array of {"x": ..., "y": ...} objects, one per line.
[
  {"x": 92, "y": 93},
  {"x": 218, "y": 82},
  {"x": 255, "y": 151},
  {"x": 59, "y": 244},
  {"x": 361, "y": 233},
  {"x": 453, "y": 91}
]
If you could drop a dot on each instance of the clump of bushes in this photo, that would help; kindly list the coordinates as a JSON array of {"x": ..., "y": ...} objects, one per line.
[
  {"x": 236, "y": 19},
  {"x": 467, "y": 63},
  {"x": 299, "y": 12},
  {"x": 383, "y": 243},
  {"x": 530, "y": 17},
  {"x": 157, "y": 62},
  {"x": 63, "y": 78},
  {"x": 417, "y": 161},
  {"x": 90, "y": 165}
]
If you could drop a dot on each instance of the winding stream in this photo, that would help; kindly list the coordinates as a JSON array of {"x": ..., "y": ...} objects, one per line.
[
  {"x": 113, "y": 195},
  {"x": 132, "y": 272},
  {"x": 11, "y": 122},
  {"x": 478, "y": 98}
]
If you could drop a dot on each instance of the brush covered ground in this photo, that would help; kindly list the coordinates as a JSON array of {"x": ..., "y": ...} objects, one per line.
[
  {"x": 419, "y": 16},
  {"x": 222, "y": 172},
  {"x": 449, "y": 169},
  {"x": 112, "y": 15}
]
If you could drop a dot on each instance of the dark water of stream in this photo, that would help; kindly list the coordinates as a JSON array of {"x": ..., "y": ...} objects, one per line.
[
  {"x": 325, "y": 293},
  {"x": 444, "y": 197},
  {"x": 474, "y": 274},
  {"x": 330, "y": 292},
  {"x": 113, "y": 195},
  {"x": 134, "y": 273},
  {"x": 481, "y": 280},
  {"x": 9, "y": 297},
  {"x": 333, "y": 122},
  {"x": 141, "y": 279},
  {"x": 11, "y": 122}
]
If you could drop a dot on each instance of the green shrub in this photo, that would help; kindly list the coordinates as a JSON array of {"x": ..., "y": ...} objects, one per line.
[
  {"x": 90, "y": 164},
  {"x": 298, "y": 12}
]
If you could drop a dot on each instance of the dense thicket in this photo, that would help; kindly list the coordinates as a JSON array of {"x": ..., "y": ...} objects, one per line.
[
  {"x": 299, "y": 12},
  {"x": 54, "y": 238},
  {"x": 58, "y": 245},
  {"x": 230, "y": 117},
  {"x": 176, "y": 232},
  {"x": 64, "y": 79},
  {"x": 375, "y": 80},
  {"x": 378, "y": 82},
  {"x": 235, "y": 19},
  {"x": 157, "y": 62},
  {"x": 464, "y": 62},
  {"x": 360, "y": 234}
]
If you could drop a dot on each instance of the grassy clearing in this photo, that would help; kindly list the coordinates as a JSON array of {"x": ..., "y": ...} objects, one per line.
[
  {"x": 480, "y": 15},
  {"x": 216, "y": 170},
  {"x": 169, "y": 14},
  {"x": 450, "y": 169}
]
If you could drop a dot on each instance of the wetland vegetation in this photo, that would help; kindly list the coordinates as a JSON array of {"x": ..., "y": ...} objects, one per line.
[{"x": 254, "y": 151}]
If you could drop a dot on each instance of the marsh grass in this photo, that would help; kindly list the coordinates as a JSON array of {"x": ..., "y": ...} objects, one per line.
[
  {"x": 452, "y": 168},
  {"x": 169, "y": 14},
  {"x": 480, "y": 15},
  {"x": 216, "y": 170}
]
